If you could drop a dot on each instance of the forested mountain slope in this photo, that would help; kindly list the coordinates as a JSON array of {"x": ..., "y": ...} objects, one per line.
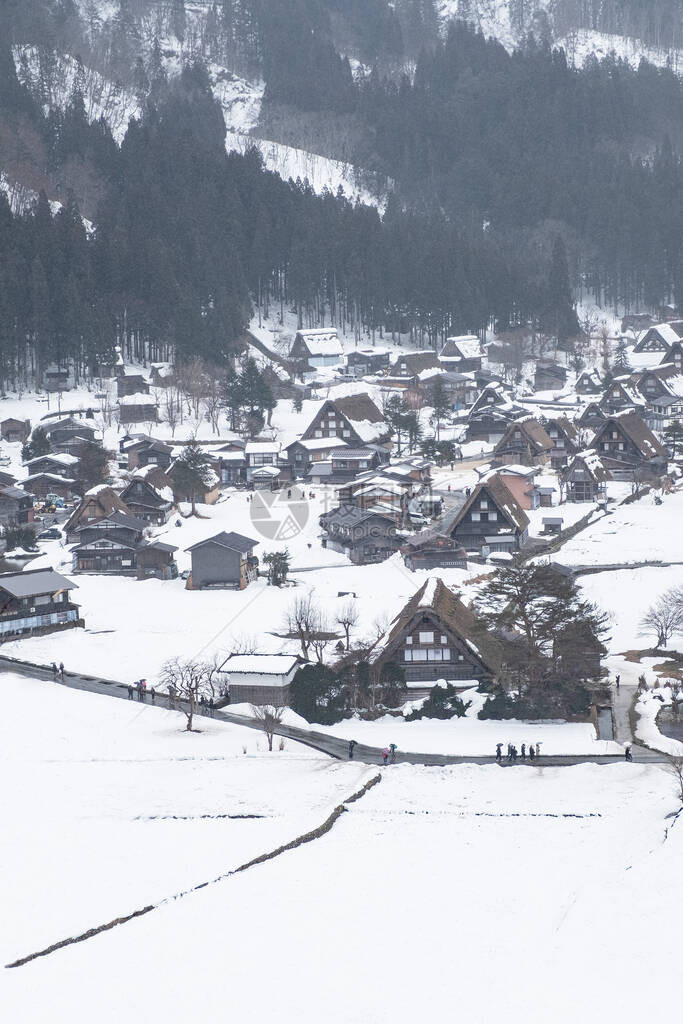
[{"x": 504, "y": 178}]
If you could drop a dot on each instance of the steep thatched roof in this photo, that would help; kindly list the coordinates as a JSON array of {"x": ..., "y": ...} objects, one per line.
[
  {"x": 565, "y": 426},
  {"x": 103, "y": 497},
  {"x": 436, "y": 597},
  {"x": 637, "y": 431},
  {"x": 503, "y": 499},
  {"x": 359, "y": 407}
]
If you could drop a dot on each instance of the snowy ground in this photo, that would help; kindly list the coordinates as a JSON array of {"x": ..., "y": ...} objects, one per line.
[
  {"x": 470, "y": 736},
  {"x": 457, "y": 887},
  {"x": 626, "y": 595},
  {"x": 114, "y": 804},
  {"x": 637, "y": 532}
]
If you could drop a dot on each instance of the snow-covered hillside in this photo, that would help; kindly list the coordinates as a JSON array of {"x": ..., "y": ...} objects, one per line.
[
  {"x": 510, "y": 21},
  {"x": 54, "y": 78}
]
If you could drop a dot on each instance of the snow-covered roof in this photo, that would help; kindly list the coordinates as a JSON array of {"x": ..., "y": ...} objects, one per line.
[
  {"x": 468, "y": 345},
  {"x": 262, "y": 448},
  {"x": 63, "y": 459},
  {"x": 322, "y": 341},
  {"x": 139, "y": 398},
  {"x": 266, "y": 471},
  {"x": 315, "y": 444},
  {"x": 257, "y": 664}
]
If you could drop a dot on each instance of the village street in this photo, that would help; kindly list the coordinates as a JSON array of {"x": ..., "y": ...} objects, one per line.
[{"x": 338, "y": 747}]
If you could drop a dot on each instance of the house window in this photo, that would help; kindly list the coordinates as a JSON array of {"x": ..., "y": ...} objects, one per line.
[
  {"x": 476, "y": 516},
  {"x": 493, "y": 516},
  {"x": 483, "y": 503},
  {"x": 419, "y": 655},
  {"x": 318, "y": 433},
  {"x": 460, "y": 657},
  {"x": 444, "y": 639},
  {"x": 409, "y": 639},
  {"x": 346, "y": 433},
  {"x": 408, "y": 655},
  {"x": 426, "y": 638}
]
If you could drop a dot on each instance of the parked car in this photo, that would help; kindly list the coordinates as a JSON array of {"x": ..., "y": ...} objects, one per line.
[{"x": 52, "y": 534}]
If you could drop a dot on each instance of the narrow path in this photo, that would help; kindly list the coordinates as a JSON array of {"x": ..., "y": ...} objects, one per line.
[{"x": 336, "y": 746}]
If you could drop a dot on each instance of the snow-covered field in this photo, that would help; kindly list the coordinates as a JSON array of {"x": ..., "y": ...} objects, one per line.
[
  {"x": 641, "y": 531},
  {"x": 476, "y": 888},
  {"x": 108, "y": 805}
]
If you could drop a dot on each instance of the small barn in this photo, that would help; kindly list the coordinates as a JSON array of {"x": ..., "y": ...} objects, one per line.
[
  {"x": 259, "y": 678},
  {"x": 13, "y": 430}
]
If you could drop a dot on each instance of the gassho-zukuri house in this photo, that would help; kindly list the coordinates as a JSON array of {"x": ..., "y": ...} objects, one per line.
[{"x": 437, "y": 637}]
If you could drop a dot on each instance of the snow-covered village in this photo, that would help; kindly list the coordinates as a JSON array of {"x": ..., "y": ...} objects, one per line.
[{"x": 341, "y": 494}]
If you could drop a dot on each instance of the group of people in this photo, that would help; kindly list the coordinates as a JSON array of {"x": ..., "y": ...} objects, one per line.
[
  {"x": 140, "y": 687},
  {"x": 57, "y": 671},
  {"x": 210, "y": 704},
  {"x": 533, "y": 751},
  {"x": 388, "y": 753}
]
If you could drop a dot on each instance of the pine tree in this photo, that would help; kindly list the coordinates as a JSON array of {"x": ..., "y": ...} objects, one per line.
[{"x": 192, "y": 473}]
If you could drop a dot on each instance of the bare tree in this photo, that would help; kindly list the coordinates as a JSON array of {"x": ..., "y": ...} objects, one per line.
[
  {"x": 321, "y": 636},
  {"x": 347, "y": 618},
  {"x": 213, "y": 402},
  {"x": 674, "y": 767},
  {"x": 269, "y": 717},
  {"x": 301, "y": 622},
  {"x": 664, "y": 617},
  {"x": 169, "y": 408},
  {"x": 187, "y": 680}
]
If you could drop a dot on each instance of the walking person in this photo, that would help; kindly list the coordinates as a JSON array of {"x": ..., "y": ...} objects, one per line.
[
  {"x": 61, "y": 670},
  {"x": 54, "y": 669},
  {"x": 523, "y": 751},
  {"x": 510, "y": 749},
  {"x": 352, "y": 744},
  {"x": 618, "y": 680},
  {"x": 538, "y": 750},
  {"x": 627, "y": 754},
  {"x": 211, "y": 706},
  {"x": 499, "y": 752},
  {"x": 139, "y": 689},
  {"x": 385, "y": 755},
  {"x": 153, "y": 693},
  {"x": 130, "y": 691},
  {"x": 393, "y": 748},
  {"x": 532, "y": 755}
]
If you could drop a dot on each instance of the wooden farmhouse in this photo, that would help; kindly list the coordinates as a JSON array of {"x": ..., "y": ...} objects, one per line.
[
  {"x": 524, "y": 443},
  {"x": 259, "y": 678},
  {"x": 490, "y": 520},
  {"x": 316, "y": 348},
  {"x": 585, "y": 478},
  {"x": 659, "y": 337},
  {"x": 97, "y": 503},
  {"x": 364, "y": 535},
  {"x": 589, "y": 382},
  {"x": 564, "y": 436},
  {"x": 223, "y": 561},
  {"x": 436, "y": 637},
  {"x": 13, "y": 430},
  {"x": 36, "y": 601},
  {"x": 629, "y": 449}
]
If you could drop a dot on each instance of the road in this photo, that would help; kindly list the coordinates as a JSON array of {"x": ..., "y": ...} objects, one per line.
[{"x": 333, "y": 746}]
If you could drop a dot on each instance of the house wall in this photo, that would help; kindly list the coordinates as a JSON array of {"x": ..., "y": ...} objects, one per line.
[
  {"x": 215, "y": 565},
  {"x": 260, "y": 692},
  {"x": 444, "y": 656}
]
